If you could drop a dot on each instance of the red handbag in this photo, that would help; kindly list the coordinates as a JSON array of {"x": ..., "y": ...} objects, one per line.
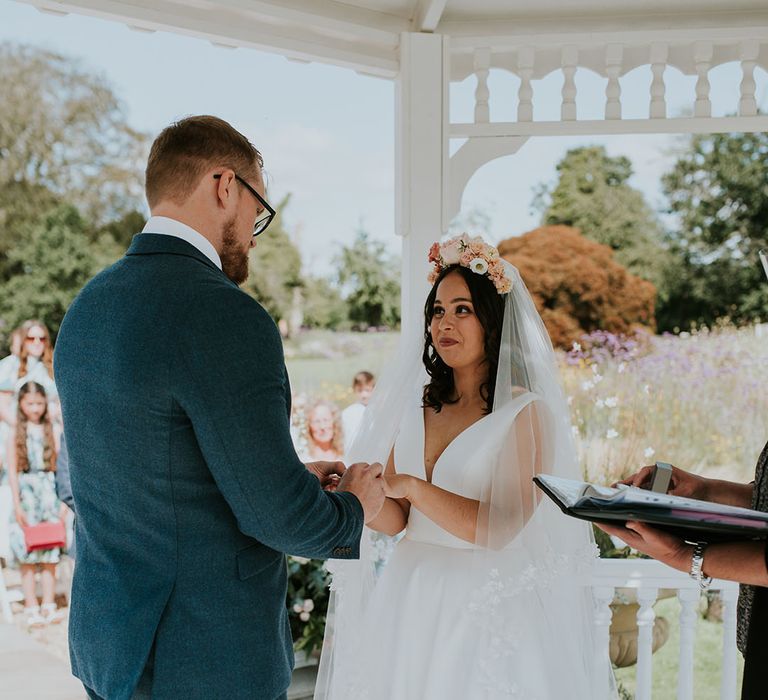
[{"x": 45, "y": 536}]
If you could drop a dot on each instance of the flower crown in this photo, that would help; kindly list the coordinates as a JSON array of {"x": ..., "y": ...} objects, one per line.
[{"x": 474, "y": 253}]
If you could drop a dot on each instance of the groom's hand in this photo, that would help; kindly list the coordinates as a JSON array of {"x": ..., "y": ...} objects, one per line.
[
  {"x": 365, "y": 482},
  {"x": 328, "y": 473}
]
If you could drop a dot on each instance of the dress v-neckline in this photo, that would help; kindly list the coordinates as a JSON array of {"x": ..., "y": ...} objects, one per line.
[{"x": 431, "y": 479}]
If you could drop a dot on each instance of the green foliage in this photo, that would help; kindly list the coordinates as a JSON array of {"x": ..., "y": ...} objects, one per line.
[
  {"x": 371, "y": 279},
  {"x": 56, "y": 259},
  {"x": 323, "y": 305},
  {"x": 308, "y": 581},
  {"x": 593, "y": 195},
  {"x": 123, "y": 230},
  {"x": 275, "y": 268},
  {"x": 718, "y": 191}
]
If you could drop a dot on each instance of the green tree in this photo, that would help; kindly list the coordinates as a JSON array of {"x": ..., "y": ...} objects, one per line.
[
  {"x": 57, "y": 258},
  {"x": 323, "y": 304},
  {"x": 64, "y": 137},
  {"x": 593, "y": 195},
  {"x": 371, "y": 279},
  {"x": 275, "y": 268},
  {"x": 718, "y": 192}
]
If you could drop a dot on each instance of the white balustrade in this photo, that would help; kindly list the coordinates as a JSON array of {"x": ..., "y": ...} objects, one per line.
[
  {"x": 647, "y": 577},
  {"x": 611, "y": 57}
]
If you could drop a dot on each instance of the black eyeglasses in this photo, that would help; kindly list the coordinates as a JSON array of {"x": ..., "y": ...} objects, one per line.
[{"x": 267, "y": 213}]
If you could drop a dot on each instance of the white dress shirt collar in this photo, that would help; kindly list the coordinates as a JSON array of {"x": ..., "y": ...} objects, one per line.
[{"x": 170, "y": 227}]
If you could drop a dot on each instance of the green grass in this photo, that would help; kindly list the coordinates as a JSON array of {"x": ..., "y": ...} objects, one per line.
[
  {"x": 330, "y": 376},
  {"x": 708, "y": 647}
]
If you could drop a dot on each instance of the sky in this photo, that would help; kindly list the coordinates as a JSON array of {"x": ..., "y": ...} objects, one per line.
[{"x": 327, "y": 133}]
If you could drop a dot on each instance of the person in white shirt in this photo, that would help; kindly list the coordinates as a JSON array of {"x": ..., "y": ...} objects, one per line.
[{"x": 352, "y": 415}]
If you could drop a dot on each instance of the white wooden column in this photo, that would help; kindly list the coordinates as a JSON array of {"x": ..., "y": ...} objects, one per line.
[{"x": 422, "y": 160}]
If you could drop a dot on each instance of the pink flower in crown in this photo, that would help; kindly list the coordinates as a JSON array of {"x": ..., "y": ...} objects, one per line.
[
  {"x": 450, "y": 254},
  {"x": 434, "y": 253},
  {"x": 433, "y": 276},
  {"x": 466, "y": 258},
  {"x": 478, "y": 248}
]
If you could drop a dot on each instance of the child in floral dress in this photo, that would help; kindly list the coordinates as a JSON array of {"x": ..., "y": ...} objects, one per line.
[{"x": 31, "y": 454}]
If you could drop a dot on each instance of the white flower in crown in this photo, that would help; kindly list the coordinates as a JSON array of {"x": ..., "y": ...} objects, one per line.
[{"x": 478, "y": 266}]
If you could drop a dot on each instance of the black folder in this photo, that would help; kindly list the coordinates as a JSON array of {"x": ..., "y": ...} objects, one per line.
[{"x": 686, "y": 517}]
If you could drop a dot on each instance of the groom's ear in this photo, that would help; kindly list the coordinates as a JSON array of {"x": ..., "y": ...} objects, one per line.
[{"x": 225, "y": 187}]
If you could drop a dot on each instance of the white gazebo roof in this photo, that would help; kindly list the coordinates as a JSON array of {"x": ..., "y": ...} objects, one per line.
[{"x": 365, "y": 34}]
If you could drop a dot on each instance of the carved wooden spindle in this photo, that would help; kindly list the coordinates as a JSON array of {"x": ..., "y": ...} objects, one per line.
[
  {"x": 602, "y": 596},
  {"x": 659, "y": 55},
  {"x": 525, "y": 59},
  {"x": 645, "y": 619},
  {"x": 570, "y": 57},
  {"x": 728, "y": 683},
  {"x": 482, "y": 93},
  {"x": 702, "y": 56},
  {"x": 689, "y": 600},
  {"x": 749, "y": 53},
  {"x": 613, "y": 57}
]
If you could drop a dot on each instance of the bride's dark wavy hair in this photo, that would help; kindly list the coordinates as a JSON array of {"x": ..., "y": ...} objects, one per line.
[{"x": 489, "y": 309}]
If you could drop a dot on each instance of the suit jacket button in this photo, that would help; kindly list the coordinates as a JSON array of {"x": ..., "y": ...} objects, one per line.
[{"x": 336, "y": 551}]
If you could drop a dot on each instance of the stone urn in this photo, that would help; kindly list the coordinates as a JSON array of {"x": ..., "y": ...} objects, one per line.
[{"x": 623, "y": 631}]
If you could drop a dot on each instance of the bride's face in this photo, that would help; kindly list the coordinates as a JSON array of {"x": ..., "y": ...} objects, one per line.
[{"x": 457, "y": 333}]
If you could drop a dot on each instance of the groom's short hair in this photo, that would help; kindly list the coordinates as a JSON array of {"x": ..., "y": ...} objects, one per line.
[{"x": 185, "y": 150}]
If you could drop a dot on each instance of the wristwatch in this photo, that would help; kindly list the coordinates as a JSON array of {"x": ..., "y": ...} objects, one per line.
[{"x": 697, "y": 564}]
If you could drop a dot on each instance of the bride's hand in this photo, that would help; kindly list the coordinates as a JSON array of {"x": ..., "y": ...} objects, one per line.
[{"x": 398, "y": 485}]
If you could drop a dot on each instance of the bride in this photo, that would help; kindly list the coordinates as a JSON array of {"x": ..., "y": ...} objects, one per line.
[{"x": 485, "y": 595}]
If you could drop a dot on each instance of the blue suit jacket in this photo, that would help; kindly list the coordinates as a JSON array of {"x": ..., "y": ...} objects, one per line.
[{"x": 186, "y": 485}]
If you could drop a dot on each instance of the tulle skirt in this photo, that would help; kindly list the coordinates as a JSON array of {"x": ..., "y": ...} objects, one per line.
[{"x": 435, "y": 630}]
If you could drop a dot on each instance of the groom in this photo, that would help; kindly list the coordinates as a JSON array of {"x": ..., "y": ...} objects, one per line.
[{"x": 186, "y": 486}]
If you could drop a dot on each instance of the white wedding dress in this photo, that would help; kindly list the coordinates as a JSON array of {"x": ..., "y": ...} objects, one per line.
[
  {"x": 509, "y": 616},
  {"x": 431, "y": 631}
]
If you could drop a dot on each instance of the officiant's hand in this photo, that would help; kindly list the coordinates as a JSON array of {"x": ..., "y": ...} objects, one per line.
[
  {"x": 328, "y": 473},
  {"x": 364, "y": 480},
  {"x": 656, "y": 543},
  {"x": 682, "y": 483}
]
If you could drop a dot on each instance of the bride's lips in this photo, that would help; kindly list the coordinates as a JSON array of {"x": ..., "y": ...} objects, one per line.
[{"x": 447, "y": 342}]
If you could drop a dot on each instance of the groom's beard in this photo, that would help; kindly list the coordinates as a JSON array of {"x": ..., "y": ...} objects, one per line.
[{"x": 234, "y": 258}]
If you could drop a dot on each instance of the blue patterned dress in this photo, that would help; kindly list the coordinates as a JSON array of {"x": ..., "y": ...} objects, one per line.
[{"x": 37, "y": 492}]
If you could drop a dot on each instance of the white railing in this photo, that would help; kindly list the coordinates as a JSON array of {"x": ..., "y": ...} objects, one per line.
[
  {"x": 647, "y": 577},
  {"x": 611, "y": 57}
]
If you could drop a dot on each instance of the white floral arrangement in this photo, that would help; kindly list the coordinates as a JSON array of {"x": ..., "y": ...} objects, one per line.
[{"x": 472, "y": 253}]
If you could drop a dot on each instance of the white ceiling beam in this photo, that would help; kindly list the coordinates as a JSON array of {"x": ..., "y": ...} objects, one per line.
[
  {"x": 293, "y": 41},
  {"x": 427, "y": 15},
  {"x": 335, "y": 17},
  {"x": 526, "y": 26}
]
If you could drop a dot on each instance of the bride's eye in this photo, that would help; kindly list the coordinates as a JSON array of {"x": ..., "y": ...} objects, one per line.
[
  {"x": 438, "y": 311},
  {"x": 463, "y": 310}
]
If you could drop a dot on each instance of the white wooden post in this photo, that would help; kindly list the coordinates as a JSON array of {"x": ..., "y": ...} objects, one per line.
[
  {"x": 659, "y": 54},
  {"x": 645, "y": 619},
  {"x": 422, "y": 154},
  {"x": 689, "y": 598}
]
